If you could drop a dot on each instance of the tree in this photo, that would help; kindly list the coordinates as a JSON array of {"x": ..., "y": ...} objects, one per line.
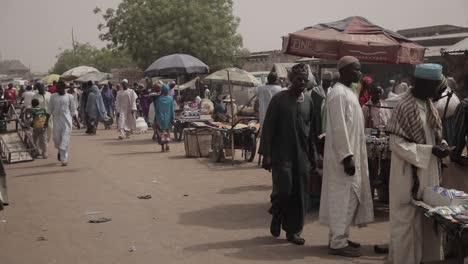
[
  {"x": 84, "y": 54},
  {"x": 150, "y": 29}
]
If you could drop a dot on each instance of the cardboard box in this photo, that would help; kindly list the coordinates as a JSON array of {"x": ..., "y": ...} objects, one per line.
[{"x": 434, "y": 199}]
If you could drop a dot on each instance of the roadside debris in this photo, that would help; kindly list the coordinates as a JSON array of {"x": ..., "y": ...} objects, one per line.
[
  {"x": 145, "y": 197},
  {"x": 100, "y": 220}
]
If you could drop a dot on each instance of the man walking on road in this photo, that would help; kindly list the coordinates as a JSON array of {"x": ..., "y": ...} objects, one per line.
[
  {"x": 265, "y": 93},
  {"x": 44, "y": 98},
  {"x": 287, "y": 145},
  {"x": 62, "y": 107},
  {"x": 126, "y": 107},
  {"x": 346, "y": 197}
]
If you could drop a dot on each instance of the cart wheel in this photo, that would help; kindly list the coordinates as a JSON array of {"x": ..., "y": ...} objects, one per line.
[
  {"x": 251, "y": 149},
  {"x": 217, "y": 147}
]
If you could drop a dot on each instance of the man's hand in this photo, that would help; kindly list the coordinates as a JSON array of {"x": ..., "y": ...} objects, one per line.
[
  {"x": 266, "y": 163},
  {"x": 349, "y": 166},
  {"x": 440, "y": 151}
]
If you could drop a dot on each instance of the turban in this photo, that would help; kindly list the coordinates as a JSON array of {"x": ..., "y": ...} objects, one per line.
[
  {"x": 428, "y": 71},
  {"x": 165, "y": 88},
  {"x": 345, "y": 61}
]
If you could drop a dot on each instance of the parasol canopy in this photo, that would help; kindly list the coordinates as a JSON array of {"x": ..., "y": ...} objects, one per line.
[
  {"x": 236, "y": 77},
  {"x": 49, "y": 79},
  {"x": 458, "y": 48},
  {"x": 176, "y": 64},
  {"x": 353, "y": 36},
  {"x": 94, "y": 77},
  {"x": 77, "y": 72}
]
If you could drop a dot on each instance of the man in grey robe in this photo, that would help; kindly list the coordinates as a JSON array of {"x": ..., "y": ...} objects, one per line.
[{"x": 288, "y": 149}]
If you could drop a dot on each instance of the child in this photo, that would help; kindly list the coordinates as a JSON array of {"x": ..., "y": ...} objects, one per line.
[{"x": 39, "y": 126}]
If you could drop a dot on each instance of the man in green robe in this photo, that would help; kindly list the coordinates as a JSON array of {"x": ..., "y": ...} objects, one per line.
[{"x": 287, "y": 145}]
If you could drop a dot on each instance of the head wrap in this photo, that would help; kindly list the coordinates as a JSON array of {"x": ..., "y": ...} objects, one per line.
[
  {"x": 125, "y": 81},
  {"x": 345, "y": 61},
  {"x": 428, "y": 71},
  {"x": 300, "y": 68},
  {"x": 368, "y": 80},
  {"x": 165, "y": 88},
  {"x": 172, "y": 84}
]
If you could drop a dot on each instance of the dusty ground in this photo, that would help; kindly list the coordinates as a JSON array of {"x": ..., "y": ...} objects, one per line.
[{"x": 200, "y": 212}]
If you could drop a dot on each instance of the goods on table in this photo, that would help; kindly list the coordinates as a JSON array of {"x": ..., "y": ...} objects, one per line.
[{"x": 438, "y": 196}]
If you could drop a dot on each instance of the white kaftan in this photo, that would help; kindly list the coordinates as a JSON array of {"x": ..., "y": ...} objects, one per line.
[
  {"x": 345, "y": 200},
  {"x": 264, "y": 95},
  {"x": 62, "y": 107},
  {"x": 412, "y": 235},
  {"x": 125, "y": 106}
]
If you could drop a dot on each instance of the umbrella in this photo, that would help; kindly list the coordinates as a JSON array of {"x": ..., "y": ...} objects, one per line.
[
  {"x": 176, "y": 64},
  {"x": 49, "y": 79},
  {"x": 459, "y": 48},
  {"x": 236, "y": 77},
  {"x": 353, "y": 36},
  {"x": 77, "y": 72},
  {"x": 94, "y": 77}
]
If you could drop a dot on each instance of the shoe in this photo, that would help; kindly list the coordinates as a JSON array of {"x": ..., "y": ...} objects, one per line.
[
  {"x": 64, "y": 164},
  {"x": 354, "y": 244},
  {"x": 381, "y": 249},
  {"x": 275, "y": 226},
  {"x": 295, "y": 239},
  {"x": 58, "y": 156},
  {"x": 120, "y": 138},
  {"x": 345, "y": 252}
]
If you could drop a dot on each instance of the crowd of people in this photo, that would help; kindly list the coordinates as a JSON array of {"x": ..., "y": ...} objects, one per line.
[
  {"x": 51, "y": 112},
  {"x": 327, "y": 124},
  {"x": 304, "y": 128}
]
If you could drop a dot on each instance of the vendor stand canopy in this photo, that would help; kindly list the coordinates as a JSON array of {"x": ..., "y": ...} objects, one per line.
[
  {"x": 458, "y": 48},
  {"x": 353, "y": 36},
  {"x": 94, "y": 77},
  {"x": 234, "y": 76},
  {"x": 189, "y": 85},
  {"x": 77, "y": 72},
  {"x": 49, "y": 79},
  {"x": 176, "y": 64}
]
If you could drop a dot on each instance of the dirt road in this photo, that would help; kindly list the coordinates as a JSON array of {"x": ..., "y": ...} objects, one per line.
[{"x": 199, "y": 212}]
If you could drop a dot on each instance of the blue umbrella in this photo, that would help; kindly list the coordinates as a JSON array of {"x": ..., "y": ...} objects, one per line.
[{"x": 176, "y": 64}]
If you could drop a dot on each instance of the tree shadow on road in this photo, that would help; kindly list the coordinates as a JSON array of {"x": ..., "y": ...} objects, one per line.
[
  {"x": 231, "y": 216},
  {"x": 248, "y": 188},
  {"x": 137, "y": 153},
  {"x": 140, "y": 142},
  {"x": 48, "y": 173},
  {"x": 279, "y": 250},
  {"x": 54, "y": 164}
]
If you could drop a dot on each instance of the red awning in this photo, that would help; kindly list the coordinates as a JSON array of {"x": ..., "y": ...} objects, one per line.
[{"x": 354, "y": 36}]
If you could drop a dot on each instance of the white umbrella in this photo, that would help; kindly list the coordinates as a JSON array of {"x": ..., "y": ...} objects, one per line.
[{"x": 77, "y": 72}]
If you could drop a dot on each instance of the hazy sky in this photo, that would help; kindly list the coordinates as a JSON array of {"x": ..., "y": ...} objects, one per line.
[{"x": 34, "y": 31}]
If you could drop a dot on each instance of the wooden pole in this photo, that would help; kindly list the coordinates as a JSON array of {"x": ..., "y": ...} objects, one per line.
[{"x": 232, "y": 117}]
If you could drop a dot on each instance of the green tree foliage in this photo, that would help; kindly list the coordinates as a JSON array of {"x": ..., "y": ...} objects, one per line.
[
  {"x": 150, "y": 29},
  {"x": 84, "y": 54}
]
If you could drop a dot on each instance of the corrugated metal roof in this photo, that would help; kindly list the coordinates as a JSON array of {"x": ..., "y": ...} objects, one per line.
[{"x": 459, "y": 47}]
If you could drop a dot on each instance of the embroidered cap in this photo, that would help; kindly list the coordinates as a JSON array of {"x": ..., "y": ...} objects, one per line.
[{"x": 428, "y": 71}]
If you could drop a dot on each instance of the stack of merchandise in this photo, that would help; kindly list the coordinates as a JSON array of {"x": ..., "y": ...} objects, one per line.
[{"x": 457, "y": 213}]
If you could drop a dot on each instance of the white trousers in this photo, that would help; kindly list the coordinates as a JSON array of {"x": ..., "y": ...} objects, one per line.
[{"x": 339, "y": 239}]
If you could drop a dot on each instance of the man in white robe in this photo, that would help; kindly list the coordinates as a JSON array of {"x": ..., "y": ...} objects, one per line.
[
  {"x": 265, "y": 93},
  {"x": 346, "y": 198},
  {"x": 416, "y": 144},
  {"x": 126, "y": 107},
  {"x": 62, "y": 109}
]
